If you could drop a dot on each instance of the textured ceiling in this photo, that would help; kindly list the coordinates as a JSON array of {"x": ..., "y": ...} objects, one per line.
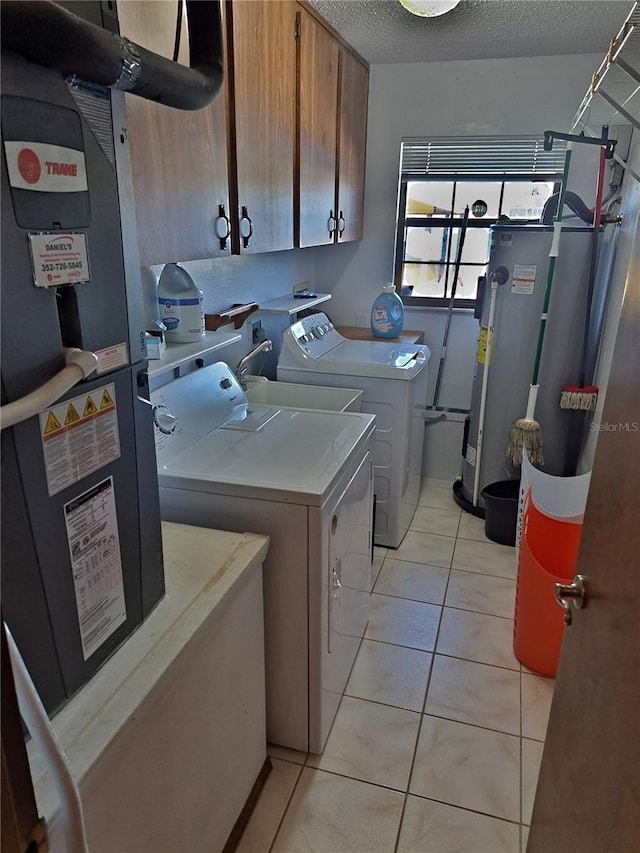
[{"x": 382, "y": 31}]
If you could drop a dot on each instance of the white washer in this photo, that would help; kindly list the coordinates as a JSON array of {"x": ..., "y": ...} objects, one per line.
[
  {"x": 393, "y": 378},
  {"x": 305, "y": 479}
]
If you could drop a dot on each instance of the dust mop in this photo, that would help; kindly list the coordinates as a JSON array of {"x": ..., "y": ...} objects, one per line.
[{"x": 526, "y": 432}]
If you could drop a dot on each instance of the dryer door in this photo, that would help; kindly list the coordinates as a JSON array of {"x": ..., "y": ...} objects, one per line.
[
  {"x": 338, "y": 618},
  {"x": 349, "y": 573}
]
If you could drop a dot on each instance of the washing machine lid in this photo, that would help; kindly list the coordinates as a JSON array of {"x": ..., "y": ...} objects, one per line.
[
  {"x": 314, "y": 344},
  {"x": 368, "y": 357},
  {"x": 295, "y": 456}
]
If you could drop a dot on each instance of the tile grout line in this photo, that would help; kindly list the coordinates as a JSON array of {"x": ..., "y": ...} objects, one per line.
[
  {"x": 286, "y": 808},
  {"x": 422, "y": 714},
  {"x": 443, "y": 603},
  {"x": 464, "y": 809}
]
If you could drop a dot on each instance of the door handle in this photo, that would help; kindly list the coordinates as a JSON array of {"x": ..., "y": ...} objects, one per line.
[
  {"x": 341, "y": 224},
  {"x": 574, "y": 593},
  {"x": 331, "y": 223}
]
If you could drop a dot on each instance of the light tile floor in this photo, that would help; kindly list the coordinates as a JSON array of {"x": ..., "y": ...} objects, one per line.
[{"x": 437, "y": 743}]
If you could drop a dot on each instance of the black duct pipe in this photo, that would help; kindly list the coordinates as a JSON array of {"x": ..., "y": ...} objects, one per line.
[
  {"x": 572, "y": 201},
  {"x": 47, "y": 34}
]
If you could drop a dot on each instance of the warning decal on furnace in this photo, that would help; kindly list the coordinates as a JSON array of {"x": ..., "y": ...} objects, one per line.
[{"x": 75, "y": 445}]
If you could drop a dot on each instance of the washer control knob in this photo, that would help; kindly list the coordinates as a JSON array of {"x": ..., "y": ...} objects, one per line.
[
  {"x": 164, "y": 419},
  {"x": 226, "y": 383}
]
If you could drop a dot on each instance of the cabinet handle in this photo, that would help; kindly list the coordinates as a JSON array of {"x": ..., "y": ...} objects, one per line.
[
  {"x": 245, "y": 233},
  {"x": 341, "y": 224},
  {"x": 331, "y": 223},
  {"x": 223, "y": 226}
]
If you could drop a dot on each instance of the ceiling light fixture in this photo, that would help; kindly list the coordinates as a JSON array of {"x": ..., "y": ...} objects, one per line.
[{"x": 429, "y": 8}]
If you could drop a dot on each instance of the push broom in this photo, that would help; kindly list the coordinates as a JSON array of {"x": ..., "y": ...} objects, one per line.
[
  {"x": 583, "y": 397},
  {"x": 526, "y": 432}
]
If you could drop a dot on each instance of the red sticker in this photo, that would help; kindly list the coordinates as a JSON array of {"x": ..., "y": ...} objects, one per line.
[{"x": 29, "y": 166}]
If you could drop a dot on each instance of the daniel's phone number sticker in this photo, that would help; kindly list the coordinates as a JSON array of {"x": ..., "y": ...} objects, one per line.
[{"x": 59, "y": 258}]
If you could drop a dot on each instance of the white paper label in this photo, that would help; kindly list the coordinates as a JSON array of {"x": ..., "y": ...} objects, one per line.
[
  {"x": 110, "y": 358},
  {"x": 59, "y": 259},
  {"x": 79, "y": 436},
  {"x": 94, "y": 546},
  {"x": 44, "y": 168},
  {"x": 471, "y": 455},
  {"x": 524, "y": 278}
]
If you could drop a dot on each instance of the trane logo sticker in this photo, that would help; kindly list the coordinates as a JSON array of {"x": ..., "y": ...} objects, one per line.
[
  {"x": 29, "y": 166},
  {"x": 62, "y": 168},
  {"x": 41, "y": 167}
]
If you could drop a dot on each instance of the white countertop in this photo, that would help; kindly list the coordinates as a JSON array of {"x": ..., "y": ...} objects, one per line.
[{"x": 201, "y": 568}]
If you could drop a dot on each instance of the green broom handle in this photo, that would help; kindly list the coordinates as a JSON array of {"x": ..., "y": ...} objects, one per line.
[{"x": 553, "y": 254}]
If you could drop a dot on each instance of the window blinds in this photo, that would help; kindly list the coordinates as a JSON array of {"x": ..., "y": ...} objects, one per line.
[{"x": 481, "y": 157}]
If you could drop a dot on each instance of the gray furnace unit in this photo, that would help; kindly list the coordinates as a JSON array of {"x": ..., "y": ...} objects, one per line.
[{"x": 81, "y": 538}]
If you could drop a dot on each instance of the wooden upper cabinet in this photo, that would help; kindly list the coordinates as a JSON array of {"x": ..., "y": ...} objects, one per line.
[
  {"x": 318, "y": 57},
  {"x": 264, "y": 63},
  {"x": 352, "y": 135},
  {"x": 332, "y": 94},
  {"x": 178, "y": 157}
]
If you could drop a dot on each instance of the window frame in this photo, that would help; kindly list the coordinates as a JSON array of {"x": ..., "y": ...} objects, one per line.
[{"x": 464, "y": 151}]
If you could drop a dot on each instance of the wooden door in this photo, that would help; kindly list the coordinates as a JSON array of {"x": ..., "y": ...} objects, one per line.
[
  {"x": 178, "y": 157},
  {"x": 354, "y": 94},
  {"x": 318, "y": 54},
  {"x": 264, "y": 75},
  {"x": 588, "y": 796}
]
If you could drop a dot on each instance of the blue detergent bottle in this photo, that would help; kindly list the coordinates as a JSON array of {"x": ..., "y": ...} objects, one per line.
[{"x": 387, "y": 313}]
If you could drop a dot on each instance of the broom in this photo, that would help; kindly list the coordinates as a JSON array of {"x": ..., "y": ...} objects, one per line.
[
  {"x": 582, "y": 397},
  {"x": 526, "y": 432}
]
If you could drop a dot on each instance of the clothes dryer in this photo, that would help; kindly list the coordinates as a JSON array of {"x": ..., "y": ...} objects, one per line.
[
  {"x": 305, "y": 479},
  {"x": 393, "y": 377}
]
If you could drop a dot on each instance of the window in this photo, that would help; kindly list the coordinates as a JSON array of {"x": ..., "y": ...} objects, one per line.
[{"x": 498, "y": 178}]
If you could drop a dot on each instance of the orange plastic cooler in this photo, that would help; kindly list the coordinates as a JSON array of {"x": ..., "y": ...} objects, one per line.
[{"x": 547, "y": 555}]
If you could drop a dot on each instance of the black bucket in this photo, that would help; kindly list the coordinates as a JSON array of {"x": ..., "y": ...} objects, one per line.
[{"x": 501, "y": 511}]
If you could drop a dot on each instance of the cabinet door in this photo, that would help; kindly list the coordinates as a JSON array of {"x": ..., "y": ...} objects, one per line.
[
  {"x": 354, "y": 93},
  {"x": 318, "y": 56},
  {"x": 264, "y": 62},
  {"x": 178, "y": 157}
]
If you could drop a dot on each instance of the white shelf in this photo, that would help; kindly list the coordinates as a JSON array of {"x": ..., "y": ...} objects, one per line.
[
  {"x": 289, "y": 305},
  {"x": 177, "y": 354}
]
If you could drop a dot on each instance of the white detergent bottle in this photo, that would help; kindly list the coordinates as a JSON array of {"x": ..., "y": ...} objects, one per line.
[
  {"x": 387, "y": 313},
  {"x": 180, "y": 306}
]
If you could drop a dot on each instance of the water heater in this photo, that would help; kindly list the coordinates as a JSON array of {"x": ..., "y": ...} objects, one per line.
[{"x": 524, "y": 251}]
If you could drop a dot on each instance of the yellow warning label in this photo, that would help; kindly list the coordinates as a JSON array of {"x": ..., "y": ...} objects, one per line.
[
  {"x": 484, "y": 346},
  {"x": 52, "y": 424},
  {"x": 89, "y": 408},
  {"x": 106, "y": 400},
  {"x": 72, "y": 415}
]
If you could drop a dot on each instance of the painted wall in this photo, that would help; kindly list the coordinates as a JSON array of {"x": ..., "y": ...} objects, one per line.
[
  {"x": 629, "y": 232},
  {"x": 240, "y": 279}
]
